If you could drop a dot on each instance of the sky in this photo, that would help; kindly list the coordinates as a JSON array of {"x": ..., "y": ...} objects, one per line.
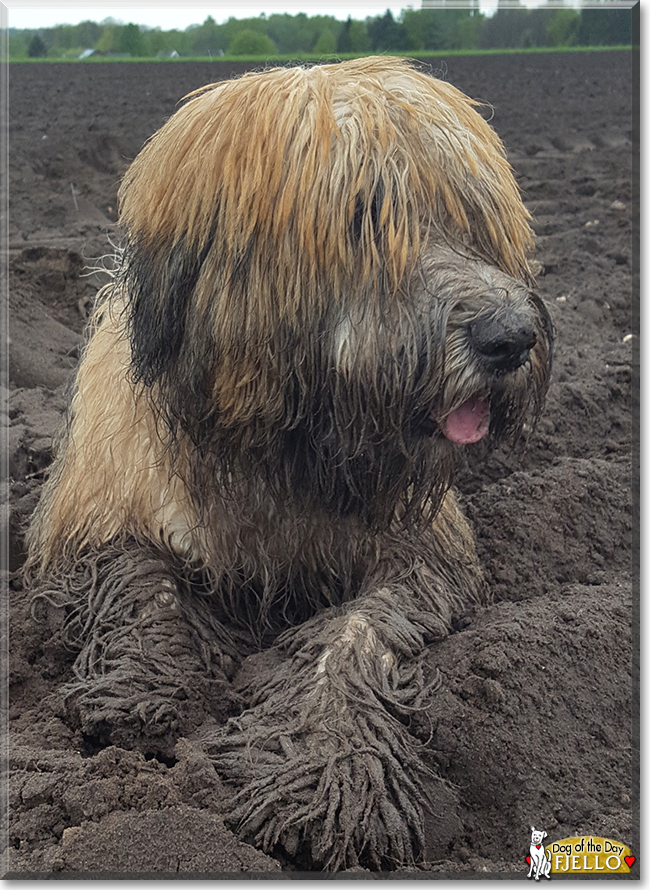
[{"x": 167, "y": 15}]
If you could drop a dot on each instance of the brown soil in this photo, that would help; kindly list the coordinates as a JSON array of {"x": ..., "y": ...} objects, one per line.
[{"x": 535, "y": 720}]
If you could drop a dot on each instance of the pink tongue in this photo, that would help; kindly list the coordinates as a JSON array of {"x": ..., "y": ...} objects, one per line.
[{"x": 469, "y": 423}]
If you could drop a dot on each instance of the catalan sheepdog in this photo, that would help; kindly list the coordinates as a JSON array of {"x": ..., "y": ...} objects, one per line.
[{"x": 324, "y": 298}]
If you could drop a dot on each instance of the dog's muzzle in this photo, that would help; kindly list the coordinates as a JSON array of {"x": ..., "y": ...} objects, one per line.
[{"x": 503, "y": 343}]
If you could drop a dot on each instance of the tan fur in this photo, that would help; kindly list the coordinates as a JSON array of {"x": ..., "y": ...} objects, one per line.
[
  {"x": 295, "y": 191},
  {"x": 112, "y": 477},
  {"x": 290, "y": 193},
  {"x": 430, "y": 145}
]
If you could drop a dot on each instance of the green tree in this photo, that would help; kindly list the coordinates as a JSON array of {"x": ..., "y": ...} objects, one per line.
[
  {"x": 251, "y": 43},
  {"x": 344, "y": 44},
  {"x": 63, "y": 36},
  {"x": 326, "y": 43},
  {"x": 109, "y": 42},
  {"x": 206, "y": 39},
  {"x": 440, "y": 28},
  {"x": 506, "y": 28},
  {"x": 157, "y": 41},
  {"x": 153, "y": 40},
  {"x": 36, "y": 48},
  {"x": 130, "y": 40},
  {"x": 291, "y": 33},
  {"x": 353, "y": 37},
  {"x": 230, "y": 29},
  {"x": 604, "y": 27},
  {"x": 469, "y": 31},
  {"x": 562, "y": 27},
  {"x": 359, "y": 40},
  {"x": 18, "y": 44},
  {"x": 427, "y": 28},
  {"x": 537, "y": 31},
  {"x": 88, "y": 33},
  {"x": 385, "y": 33}
]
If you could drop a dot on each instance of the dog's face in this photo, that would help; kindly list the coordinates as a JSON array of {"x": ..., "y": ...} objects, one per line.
[
  {"x": 460, "y": 354},
  {"x": 495, "y": 340},
  {"x": 327, "y": 285},
  {"x": 537, "y": 837}
]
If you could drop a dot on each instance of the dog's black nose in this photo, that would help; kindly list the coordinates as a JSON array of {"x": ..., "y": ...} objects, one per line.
[{"x": 502, "y": 343}]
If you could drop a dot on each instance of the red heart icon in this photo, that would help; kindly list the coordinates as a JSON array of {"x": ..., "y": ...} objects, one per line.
[
  {"x": 528, "y": 859},
  {"x": 630, "y": 860}
]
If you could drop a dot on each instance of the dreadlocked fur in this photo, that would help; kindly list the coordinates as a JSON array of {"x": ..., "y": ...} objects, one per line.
[{"x": 325, "y": 275}]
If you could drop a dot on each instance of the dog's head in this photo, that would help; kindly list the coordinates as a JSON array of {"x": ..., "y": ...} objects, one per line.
[
  {"x": 537, "y": 837},
  {"x": 328, "y": 283}
]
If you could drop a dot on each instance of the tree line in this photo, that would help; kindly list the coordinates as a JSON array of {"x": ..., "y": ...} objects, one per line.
[{"x": 413, "y": 31}]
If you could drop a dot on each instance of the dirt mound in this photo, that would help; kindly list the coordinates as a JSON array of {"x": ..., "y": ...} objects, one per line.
[{"x": 533, "y": 723}]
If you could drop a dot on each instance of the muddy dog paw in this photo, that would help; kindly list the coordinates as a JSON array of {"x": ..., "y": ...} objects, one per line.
[
  {"x": 151, "y": 660},
  {"x": 326, "y": 770}
]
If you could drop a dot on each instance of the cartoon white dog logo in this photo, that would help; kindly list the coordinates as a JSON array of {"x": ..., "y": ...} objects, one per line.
[{"x": 539, "y": 864}]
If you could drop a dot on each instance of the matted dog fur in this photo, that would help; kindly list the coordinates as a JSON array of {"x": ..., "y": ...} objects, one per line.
[{"x": 325, "y": 295}]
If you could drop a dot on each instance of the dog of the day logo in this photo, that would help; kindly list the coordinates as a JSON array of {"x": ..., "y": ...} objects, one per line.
[{"x": 588, "y": 856}]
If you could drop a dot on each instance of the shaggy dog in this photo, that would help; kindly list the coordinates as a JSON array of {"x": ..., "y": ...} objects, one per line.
[{"x": 324, "y": 297}]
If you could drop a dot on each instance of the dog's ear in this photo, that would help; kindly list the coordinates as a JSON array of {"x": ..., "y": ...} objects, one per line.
[
  {"x": 545, "y": 834},
  {"x": 161, "y": 286}
]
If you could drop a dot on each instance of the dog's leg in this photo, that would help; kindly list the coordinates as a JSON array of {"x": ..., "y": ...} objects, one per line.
[
  {"x": 151, "y": 657},
  {"x": 324, "y": 758}
]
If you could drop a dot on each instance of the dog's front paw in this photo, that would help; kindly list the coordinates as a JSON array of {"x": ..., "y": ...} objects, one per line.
[
  {"x": 324, "y": 800},
  {"x": 152, "y": 657},
  {"x": 323, "y": 762}
]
